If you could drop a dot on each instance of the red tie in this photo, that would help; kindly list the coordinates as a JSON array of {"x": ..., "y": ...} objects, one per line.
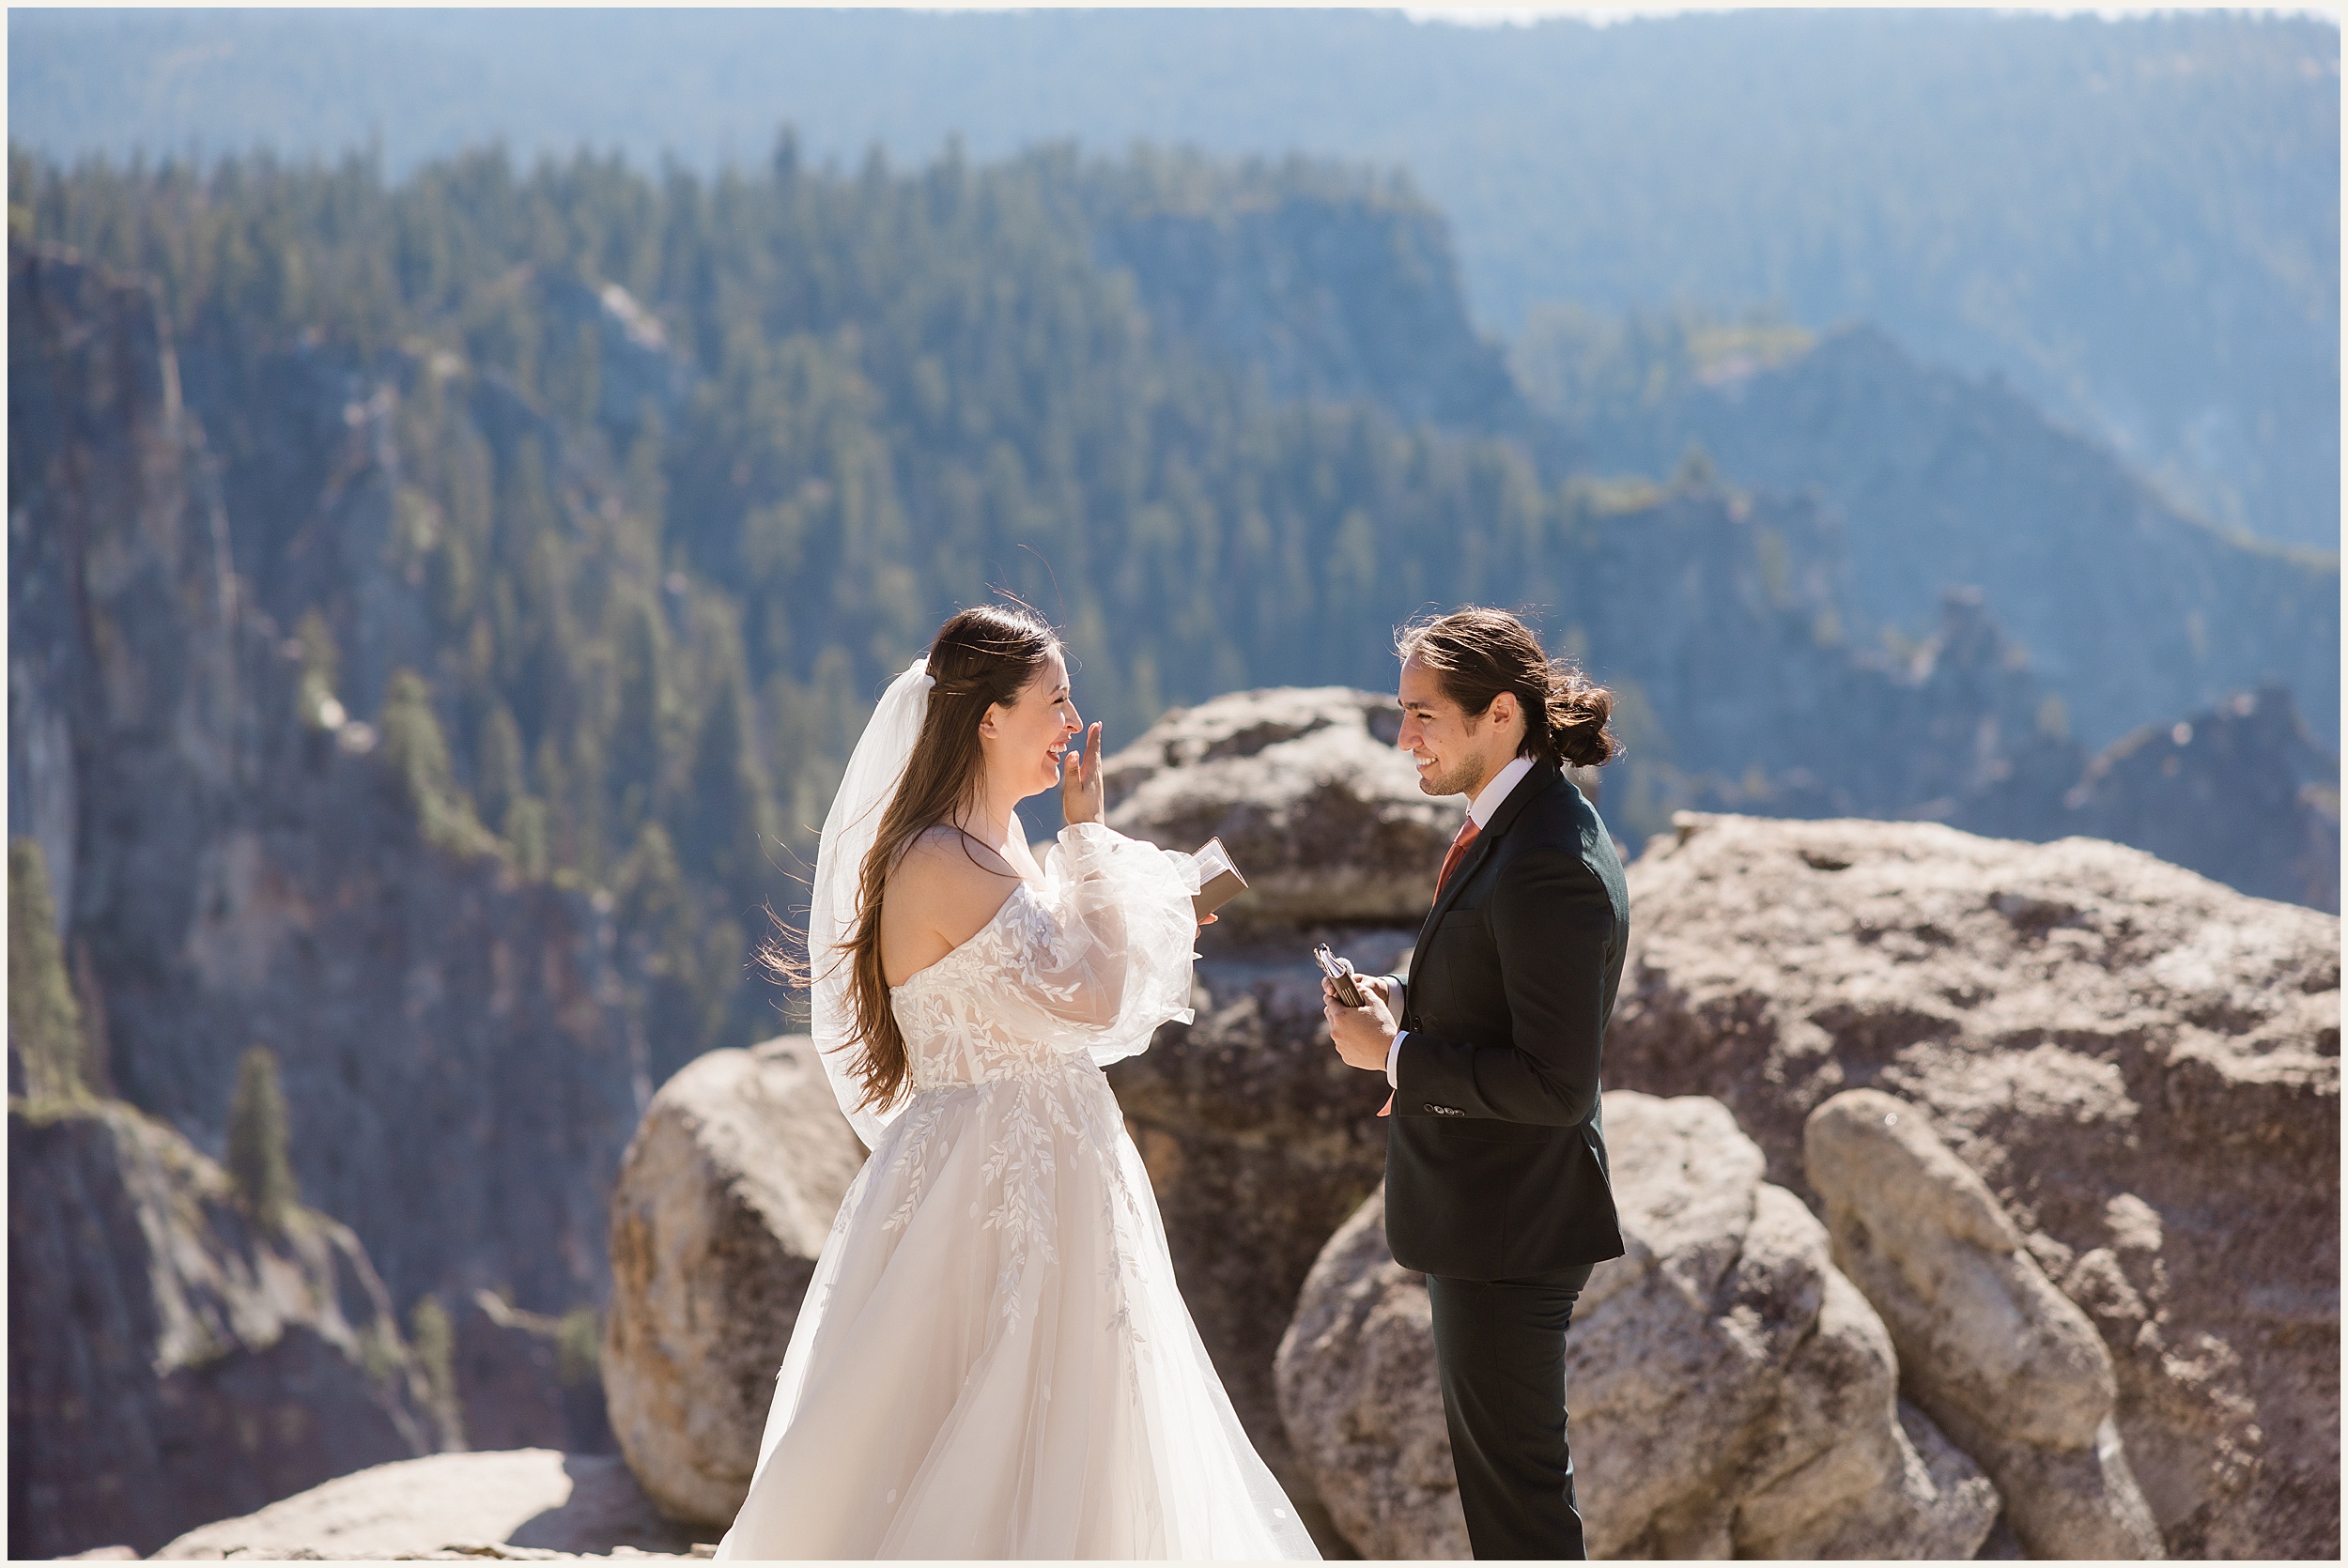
[
  {"x": 1457, "y": 853},
  {"x": 1468, "y": 830}
]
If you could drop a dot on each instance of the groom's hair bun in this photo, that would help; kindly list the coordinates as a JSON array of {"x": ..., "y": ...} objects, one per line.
[{"x": 1476, "y": 653}]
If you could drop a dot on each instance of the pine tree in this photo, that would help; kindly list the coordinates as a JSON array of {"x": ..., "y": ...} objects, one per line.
[
  {"x": 418, "y": 752},
  {"x": 45, "y": 1022},
  {"x": 499, "y": 771},
  {"x": 659, "y": 930},
  {"x": 258, "y": 1166},
  {"x": 731, "y": 815},
  {"x": 579, "y": 1347},
  {"x": 435, "y": 1341},
  {"x": 524, "y": 829}
]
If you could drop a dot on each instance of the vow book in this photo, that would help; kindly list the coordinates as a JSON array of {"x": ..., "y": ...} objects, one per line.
[{"x": 1219, "y": 881}]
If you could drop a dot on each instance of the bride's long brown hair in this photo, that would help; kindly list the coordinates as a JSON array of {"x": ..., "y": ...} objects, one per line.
[{"x": 980, "y": 657}]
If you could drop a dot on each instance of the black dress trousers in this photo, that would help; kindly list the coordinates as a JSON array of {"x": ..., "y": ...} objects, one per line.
[{"x": 1500, "y": 1346}]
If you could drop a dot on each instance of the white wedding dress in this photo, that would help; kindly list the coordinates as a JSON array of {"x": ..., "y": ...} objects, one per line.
[{"x": 993, "y": 1360}]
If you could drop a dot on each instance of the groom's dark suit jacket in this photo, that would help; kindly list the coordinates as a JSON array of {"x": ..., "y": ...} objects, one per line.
[{"x": 1495, "y": 1164}]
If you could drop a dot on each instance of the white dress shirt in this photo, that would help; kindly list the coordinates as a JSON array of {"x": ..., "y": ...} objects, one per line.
[{"x": 1481, "y": 809}]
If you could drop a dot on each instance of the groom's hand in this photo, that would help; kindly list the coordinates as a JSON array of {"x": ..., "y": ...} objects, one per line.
[{"x": 1362, "y": 1034}]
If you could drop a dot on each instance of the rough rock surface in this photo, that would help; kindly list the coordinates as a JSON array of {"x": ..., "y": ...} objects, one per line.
[
  {"x": 1730, "y": 1392},
  {"x": 168, "y": 1362},
  {"x": 458, "y": 1072},
  {"x": 2141, "y": 1066},
  {"x": 727, "y": 1193},
  {"x": 1999, "y": 1358},
  {"x": 1322, "y": 813},
  {"x": 531, "y": 1501}
]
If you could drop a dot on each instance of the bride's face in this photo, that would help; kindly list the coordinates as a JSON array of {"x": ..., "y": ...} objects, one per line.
[{"x": 1025, "y": 741}]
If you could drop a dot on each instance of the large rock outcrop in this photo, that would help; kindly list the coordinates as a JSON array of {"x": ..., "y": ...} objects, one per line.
[
  {"x": 2142, "y": 1066},
  {"x": 728, "y": 1191},
  {"x": 169, "y": 1361},
  {"x": 1259, "y": 1142},
  {"x": 529, "y": 1502},
  {"x": 1322, "y": 813},
  {"x": 1999, "y": 1358},
  {"x": 1731, "y": 1393}
]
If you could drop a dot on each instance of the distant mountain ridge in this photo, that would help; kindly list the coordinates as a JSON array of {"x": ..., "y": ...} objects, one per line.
[{"x": 2135, "y": 218}]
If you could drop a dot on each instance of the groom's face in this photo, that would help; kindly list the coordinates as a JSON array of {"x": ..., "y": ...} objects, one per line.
[{"x": 1456, "y": 753}]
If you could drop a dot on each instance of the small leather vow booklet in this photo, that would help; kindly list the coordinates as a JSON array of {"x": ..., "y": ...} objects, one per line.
[{"x": 1219, "y": 881}]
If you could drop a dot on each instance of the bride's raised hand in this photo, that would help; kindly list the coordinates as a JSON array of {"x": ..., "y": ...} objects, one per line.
[{"x": 1082, "y": 798}]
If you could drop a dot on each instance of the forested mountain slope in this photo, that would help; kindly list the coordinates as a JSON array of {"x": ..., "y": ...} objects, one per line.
[
  {"x": 619, "y": 497},
  {"x": 238, "y": 861},
  {"x": 2128, "y": 609},
  {"x": 2135, "y": 218}
]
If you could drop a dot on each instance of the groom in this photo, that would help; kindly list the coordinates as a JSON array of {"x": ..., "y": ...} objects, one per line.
[{"x": 1496, "y": 1184}]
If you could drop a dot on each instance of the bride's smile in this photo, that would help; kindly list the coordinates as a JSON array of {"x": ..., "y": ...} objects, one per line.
[{"x": 1026, "y": 740}]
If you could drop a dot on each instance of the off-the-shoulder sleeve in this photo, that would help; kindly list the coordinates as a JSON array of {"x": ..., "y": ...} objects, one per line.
[{"x": 1104, "y": 945}]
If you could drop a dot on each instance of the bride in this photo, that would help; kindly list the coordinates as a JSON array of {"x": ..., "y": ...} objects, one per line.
[{"x": 993, "y": 1360}]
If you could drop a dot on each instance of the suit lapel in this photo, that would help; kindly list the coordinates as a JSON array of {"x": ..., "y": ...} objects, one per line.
[{"x": 1542, "y": 777}]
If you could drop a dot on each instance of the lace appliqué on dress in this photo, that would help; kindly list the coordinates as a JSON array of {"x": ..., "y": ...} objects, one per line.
[
  {"x": 1002, "y": 1286},
  {"x": 1079, "y": 968}
]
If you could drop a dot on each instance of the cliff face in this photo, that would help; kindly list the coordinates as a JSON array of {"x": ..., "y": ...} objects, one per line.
[
  {"x": 121, "y": 604},
  {"x": 2238, "y": 791},
  {"x": 1329, "y": 297},
  {"x": 1964, "y": 732},
  {"x": 2131, "y": 612},
  {"x": 323, "y": 514},
  {"x": 459, "y": 1076},
  {"x": 168, "y": 1362}
]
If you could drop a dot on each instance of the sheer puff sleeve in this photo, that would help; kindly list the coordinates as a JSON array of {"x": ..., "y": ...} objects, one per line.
[{"x": 1103, "y": 945}]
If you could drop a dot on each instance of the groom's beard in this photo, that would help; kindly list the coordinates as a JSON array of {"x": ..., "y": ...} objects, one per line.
[{"x": 1459, "y": 780}]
